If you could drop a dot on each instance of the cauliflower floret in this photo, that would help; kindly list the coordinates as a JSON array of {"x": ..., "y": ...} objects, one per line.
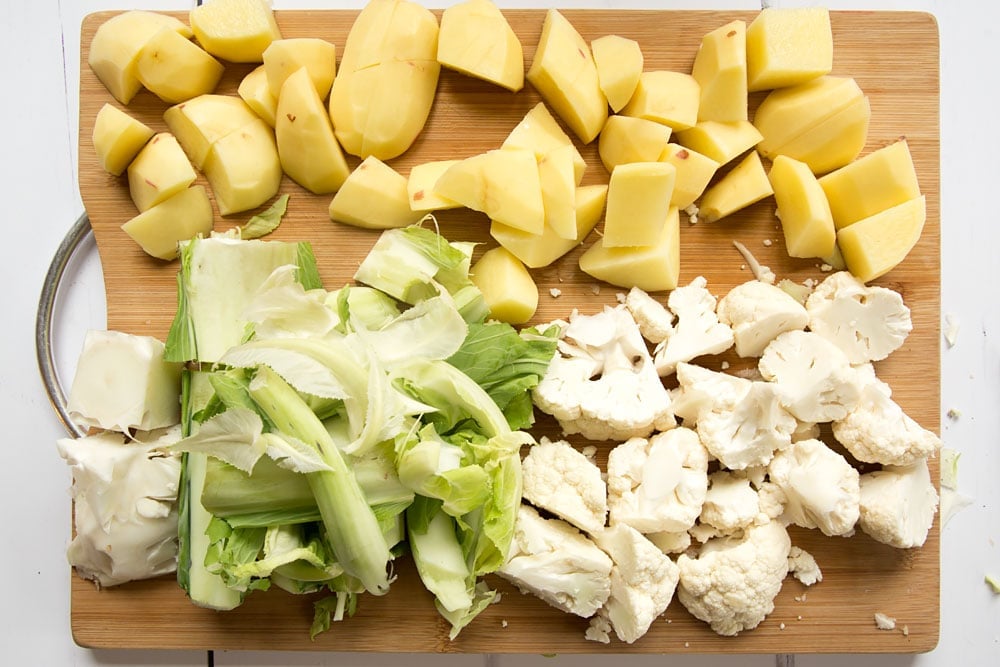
[
  {"x": 558, "y": 478},
  {"x": 749, "y": 431},
  {"x": 701, "y": 388},
  {"x": 733, "y": 582},
  {"x": 815, "y": 379},
  {"x": 757, "y": 313},
  {"x": 656, "y": 323},
  {"x": 643, "y": 580},
  {"x": 698, "y": 331},
  {"x": 878, "y": 431},
  {"x": 806, "y": 431},
  {"x": 658, "y": 484},
  {"x": 771, "y": 500},
  {"x": 867, "y": 322},
  {"x": 671, "y": 542},
  {"x": 730, "y": 503},
  {"x": 124, "y": 505},
  {"x": 602, "y": 383},
  {"x": 554, "y": 561},
  {"x": 898, "y": 505},
  {"x": 821, "y": 487},
  {"x": 804, "y": 567}
]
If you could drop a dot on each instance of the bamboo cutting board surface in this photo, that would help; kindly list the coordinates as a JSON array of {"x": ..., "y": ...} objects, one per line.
[{"x": 894, "y": 58}]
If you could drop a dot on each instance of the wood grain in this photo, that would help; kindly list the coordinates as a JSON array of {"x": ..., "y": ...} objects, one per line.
[{"x": 893, "y": 56}]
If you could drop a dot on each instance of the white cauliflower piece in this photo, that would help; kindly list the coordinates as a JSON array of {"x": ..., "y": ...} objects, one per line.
[
  {"x": 878, "y": 431},
  {"x": 806, "y": 431},
  {"x": 643, "y": 580},
  {"x": 698, "y": 331},
  {"x": 815, "y": 379},
  {"x": 898, "y": 505},
  {"x": 701, "y": 388},
  {"x": 125, "y": 510},
  {"x": 602, "y": 383},
  {"x": 804, "y": 567},
  {"x": 558, "y": 478},
  {"x": 758, "y": 312},
  {"x": 671, "y": 542},
  {"x": 703, "y": 532},
  {"x": 730, "y": 503},
  {"x": 867, "y": 322},
  {"x": 656, "y": 323},
  {"x": 822, "y": 489},
  {"x": 749, "y": 431},
  {"x": 551, "y": 559},
  {"x": 657, "y": 484},
  {"x": 771, "y": 500},
  {"x": 732, "y": 583}
]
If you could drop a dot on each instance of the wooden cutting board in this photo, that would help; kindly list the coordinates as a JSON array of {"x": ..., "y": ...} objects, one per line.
[{"x": 893, "y": 56}]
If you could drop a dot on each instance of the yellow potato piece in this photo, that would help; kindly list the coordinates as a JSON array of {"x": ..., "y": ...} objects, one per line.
[
  {"x": 283, "y": 57},
  {"x": 666, "y": 97},
  {"x": 507, "y": 286},
  {"x": 638, "y": 203},
  {"x": 873, "y": 183},
  {"x": 420, "y": 186},
  {"x": 694, "y": 172},
  {"x": 651, "y": 268},
  {"x": 788, "y": 46},
  {"x": 538, "y": 131},
  {"x": 476, "y": 39},
  {"x": 502, "y": 183},
  {"x": 619, "y": 64},
  {"x": 201, "y": 121},
  {"x": 874, "y": 246},
  {"x": 159, "y": 171},
  {"x": 235, "y": 30},
  {"x": 720, "y": 68},
  {"x": 538, "y": 250},
  {"x": 179, "y": 218},
  {"x": 307, "y": 147},
  {"x": 176, "y": 69},
  {"x": 115, "y": 48},
  {"x": 373, "y": 196},
  {"x": 722, "y": 142},
  {"x": 558, "y": 183},
  {"x": 388, "y": 76},
  {"x": 627, "y": 139},
  {"x": 835, "y": 141},
  {"x": 257, "y": 93},
  {"x": 243, "y": 168},
  {"x": 564, "y": 73},
  {"x": 118, "y": 138},
  {"x": 806, "y": 220},
  {"x": 743, "y": 185}
]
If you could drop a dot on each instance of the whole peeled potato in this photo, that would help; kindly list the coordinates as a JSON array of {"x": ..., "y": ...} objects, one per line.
[{"x": 388, "y": 75}]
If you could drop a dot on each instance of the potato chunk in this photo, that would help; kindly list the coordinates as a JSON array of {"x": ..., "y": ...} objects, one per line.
[
  {"x": 283, "y": 57},
  {"x": 627, "y": 139},
  {"x": 694, "y": 172},
  {"x": 539, "y": 132},
  {"x": 373, "y": 196},
  {"x": 788, "y": 46},
  {"x": 743, "y": 185},
  {"x": 159, "y": 229},
  {"x": 874, "y": 246},
  {"x": 564, "y": 73},
  {"x": 243, "y": 168},
  {"x": 507, "y": 287},
  {"x": 806, "y": 220},
  {"x": 871, "y": 184},
  {"x": 420, "y": 186},
  {"x": 720, "y": 68},
  {"x": 118, "y": 138},
  {"x": 638, "y": 203},
  {"x": 476, "y": 40},
  {"x": 235, "y": 30},
  {"x": 666, "y": 97},
  {"x": 176, "y": 69},
  {"x": 722, "y": 142},
  {"x": 651, "y": 268},
  {"x": 115, "y": 48},
  {"x": 159, "y": 171},
  {"x": 307, "y": 147},
  {"x": 558, "y": 183},
  {"x": 201, "y": 121},
  {"x": 257, "y": 93},
  {"x": 619, "y": 63}
]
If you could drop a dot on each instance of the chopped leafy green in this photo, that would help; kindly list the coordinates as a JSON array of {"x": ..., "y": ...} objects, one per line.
[{"x": 266, "y": 221}]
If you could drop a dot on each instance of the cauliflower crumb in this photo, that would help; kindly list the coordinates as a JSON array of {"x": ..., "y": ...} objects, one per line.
[
  {"x": 595, "y": 289},
  {"x": 767, "y": 243},
  {"x": 503, "y": 623},
  {"x": 950, "y": 329},
  {"x": 803, "y": 566},
  {"x": 724, "y": 365},
  {"x": 825, "y": 268},
  {"x": 954, "y": 413},
  {"x": 781, "y": 626},
  {"x": 555, "y": 292},
  {"x": 883, "y": 622},
  {"x": 906, "y": 631},
  {"x": 692, "y": 212},
  {"x": 620, "y": 297}
]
